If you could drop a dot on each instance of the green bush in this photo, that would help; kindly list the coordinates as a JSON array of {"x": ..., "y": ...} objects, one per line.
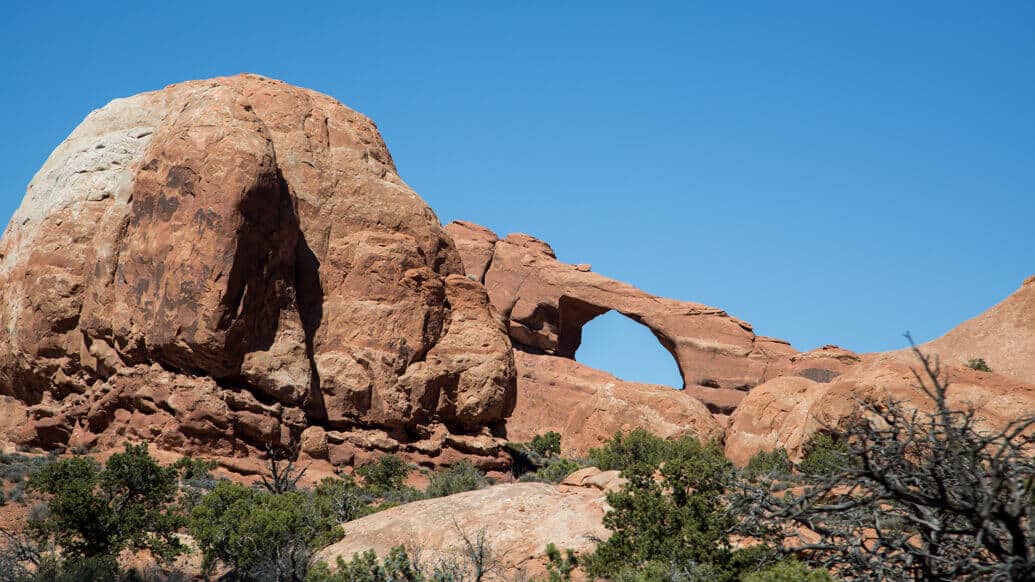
[
  {"x": 97, "y": 513},
  {"x": 825, "y": 454},
  {"x": 768, "y": 463},
  {"x": 346, "y": 499},
  {"x": 788, "y": 571},
  {"x": 384, "y": 475},
  {"x": 462, "y": 476},
  {"x": 547, "y": 445},
  {"x": 262, "y": 535},
  {"x": 979, "y": 364},
  {"x": 555, "y": 471},
  {"x": 560, "y": 568},
  {"x": 625, "y": 451},
  {"x": 396, "y": 567},
  {"x": 672, "y": 510}
]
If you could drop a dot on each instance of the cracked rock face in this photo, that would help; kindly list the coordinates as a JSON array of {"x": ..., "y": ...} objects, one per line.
[{"x": 251, "y": 239}]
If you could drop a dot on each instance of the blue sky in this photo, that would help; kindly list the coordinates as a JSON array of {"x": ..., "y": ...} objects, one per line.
[{"x": 831, "y": 172}]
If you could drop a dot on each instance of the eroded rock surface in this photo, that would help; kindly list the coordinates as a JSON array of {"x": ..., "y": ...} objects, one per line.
[
  {"x": 223, "y": 263},
  {"x": 1003, "y": 336},
  {"x": 518, "y": 519},
  {"x": 787, "y": 412},
  {"x": 588, "y": 406}
]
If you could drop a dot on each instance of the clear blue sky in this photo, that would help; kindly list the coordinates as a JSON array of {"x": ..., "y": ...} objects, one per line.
[{"x": 832, "y": 172}]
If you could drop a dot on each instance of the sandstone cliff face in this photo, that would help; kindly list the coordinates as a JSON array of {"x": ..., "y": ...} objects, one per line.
[{"x": 234, "y": 260}]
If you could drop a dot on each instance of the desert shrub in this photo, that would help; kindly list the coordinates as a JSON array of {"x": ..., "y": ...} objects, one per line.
[
  {"x": 400, "y": 496},
  {"x": 538, "y": 454},
  {"x": 560, "y": 568},
  {"x": 978, "y": 364},
  {"x": 474, "y": 561},
  {"x": 195, "y": 480},
  {"x": 547, "y": 445},
  {"x": 15, "y": 468},
  {"x": 262, "y": 535},
  {"x": 788, "y": 571},
  {"x": 95, "y": 513},
  {"x": 460, "y": 477},
  {"x": 384, "y": 475},
  {"x": 672, "y": 514},
  {"x": 768, "y": 463},
  {"x": 824, "y": 454},
  {"x": 347, "y": 500},
  {"x": 366, "y": 567},
  {"x": 555, "y": 470},
  {"x": 624, "y": 451},
  {"x": 188, "y": 468}
]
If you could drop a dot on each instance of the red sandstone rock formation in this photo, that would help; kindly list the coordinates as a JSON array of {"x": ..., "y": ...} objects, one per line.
[
  {"x": 546, "y": 303},
  {"x": 787, "y": 411},
  {"x": 1004, "y": 336},
  {"x": 229, "y": 263},
  {"x": 588, "y": 406},
  {"x": 223, "y": 263}
]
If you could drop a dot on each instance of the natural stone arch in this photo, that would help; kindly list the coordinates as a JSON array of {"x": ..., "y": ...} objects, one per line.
[{"x": 574, "y": 314}]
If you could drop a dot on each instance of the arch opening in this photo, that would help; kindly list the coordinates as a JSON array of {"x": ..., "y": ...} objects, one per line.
[{"x": 621, "y": 346}]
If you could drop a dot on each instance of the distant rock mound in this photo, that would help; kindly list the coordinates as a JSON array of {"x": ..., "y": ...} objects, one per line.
[
  {"x": 788, "y": 411},
  {"x": 219, "y": 264},
  {"x": 1003, "y": 336}
]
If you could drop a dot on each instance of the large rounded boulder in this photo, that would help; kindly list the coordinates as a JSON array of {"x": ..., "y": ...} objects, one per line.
[{"x": 249, "y": 246}]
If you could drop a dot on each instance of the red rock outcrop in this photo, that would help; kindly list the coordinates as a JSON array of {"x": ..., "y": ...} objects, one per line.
[
  {"x": 823, "y": 387},
  {"x": 1003, "y": 336},
  {"x": 223, "y": 263},
  {"x": 786, "y": 412},
  {"x": 587, "y": 406}
]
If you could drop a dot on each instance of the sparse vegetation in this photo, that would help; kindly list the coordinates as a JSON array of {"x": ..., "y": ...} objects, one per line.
[
  {"x": 475, "y": 561},
  {"x": 560, "y": 568},
  {"x": 555, "y": 470},
  {"x": 540, "y": 459},
  {"x": 893, "y": 493},
  {"x": 979, "y": 365},
  {"x": 462, "y": 476}
]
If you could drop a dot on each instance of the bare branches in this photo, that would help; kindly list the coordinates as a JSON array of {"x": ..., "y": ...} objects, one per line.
[
  {"x": 929, "y": 496},
  {"x": 284, "y": 476}
]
